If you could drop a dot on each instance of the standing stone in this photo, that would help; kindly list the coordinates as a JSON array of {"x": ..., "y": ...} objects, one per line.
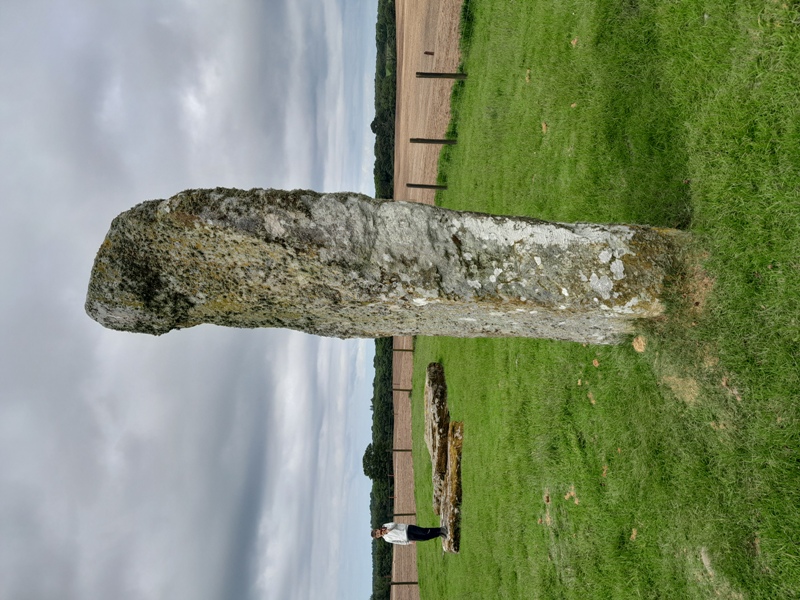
[{"x": 346, "y": 265}]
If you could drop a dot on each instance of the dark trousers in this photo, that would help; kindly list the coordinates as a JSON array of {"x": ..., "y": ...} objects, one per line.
[{"x": 422, "y": 534}]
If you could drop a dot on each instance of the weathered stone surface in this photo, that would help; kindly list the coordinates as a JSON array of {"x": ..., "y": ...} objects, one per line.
[
  {"x": 450, "y": 503},
  {"x": 346, "y": 265},
  {"x": 437, "y": 427},
  {"x": 444, "y": 440}
]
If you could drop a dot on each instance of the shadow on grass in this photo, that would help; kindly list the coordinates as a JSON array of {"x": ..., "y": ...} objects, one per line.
[{"x": 640, "y": 131}]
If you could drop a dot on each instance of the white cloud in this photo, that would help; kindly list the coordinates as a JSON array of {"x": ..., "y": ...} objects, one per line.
[
  {"x": 319, "y": 460},
  {"x": 140, "y": 467}
]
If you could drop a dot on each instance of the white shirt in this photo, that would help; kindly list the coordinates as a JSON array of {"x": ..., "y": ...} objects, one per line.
[{"x": 398, "y": 533}]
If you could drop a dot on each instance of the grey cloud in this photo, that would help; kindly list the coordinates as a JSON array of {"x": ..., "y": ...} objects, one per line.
[
  {"x": 191, "y": 492},
  {"x": 138, "y": 467},
  {"x": 241, "y": 566}
]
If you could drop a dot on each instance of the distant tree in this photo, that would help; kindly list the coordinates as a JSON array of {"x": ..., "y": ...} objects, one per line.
[
  {"x": 377, "y": 465},
  {"x": 374, "y": 461},
  {"x": 377, "y": 461},
  {"x": 385, "y": 99}
]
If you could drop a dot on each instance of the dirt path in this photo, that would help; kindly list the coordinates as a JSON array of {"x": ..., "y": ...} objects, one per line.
[
  {"x": 423, "y": 110},
  {"x": 423, "y": 105},
  {"x": 404, "y": 560}
]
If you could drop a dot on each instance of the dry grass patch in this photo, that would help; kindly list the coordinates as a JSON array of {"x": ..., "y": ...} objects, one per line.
[
  {"x": 546, "y": 519},
  {"x": 715, "y": 585},
  {"x": 699, "y": 285},
  {"x": 571, "y": 494},
  {"x": 685, "y": 388},
  {"x": 639, "y": 343}
]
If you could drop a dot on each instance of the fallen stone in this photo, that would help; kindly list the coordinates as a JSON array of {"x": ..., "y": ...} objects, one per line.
[
  {"x": 444, "y": 439},
  {"x": 437, "y": 427},
  {"x": 450, "y": 503}
]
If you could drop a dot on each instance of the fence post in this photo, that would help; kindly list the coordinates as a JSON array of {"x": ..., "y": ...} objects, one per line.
[
  {"x": 432, "y": 141},
  {"x": 426, "y": 75},
  {"x": 426, "y": 186}
]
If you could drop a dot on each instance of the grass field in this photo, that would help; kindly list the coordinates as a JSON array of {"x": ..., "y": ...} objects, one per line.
[{"x": 602, "y": 472}]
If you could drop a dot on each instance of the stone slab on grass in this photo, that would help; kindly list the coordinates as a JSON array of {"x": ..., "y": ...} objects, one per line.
[
  {"x": 437, "y": 423},
  {"x": 450, "y": 502}
]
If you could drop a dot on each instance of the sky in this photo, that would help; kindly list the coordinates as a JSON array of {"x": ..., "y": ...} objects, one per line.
[{"x": 210, "y": 462}]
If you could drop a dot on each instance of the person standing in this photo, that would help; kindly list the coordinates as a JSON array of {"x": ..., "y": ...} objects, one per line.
[{"x": 404, "y": 534}]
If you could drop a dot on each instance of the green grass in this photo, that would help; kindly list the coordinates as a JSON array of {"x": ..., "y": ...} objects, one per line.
[{"x": 686, "y": 114}]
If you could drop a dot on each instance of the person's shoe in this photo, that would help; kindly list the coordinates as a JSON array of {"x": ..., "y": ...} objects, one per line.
[{"x": 445, "y": 533}]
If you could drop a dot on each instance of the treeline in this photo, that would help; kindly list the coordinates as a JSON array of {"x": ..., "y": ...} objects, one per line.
[
  {"x": 377, "y": 460},
  {"x": 378, "y": 466},
  {"x": 385, "y": 99}
]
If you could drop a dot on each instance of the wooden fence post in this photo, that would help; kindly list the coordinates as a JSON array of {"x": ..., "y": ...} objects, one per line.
[
  {"x": 426, "y": 75},
  {"x": 426, "y": 186},
  {"x": 432, "y": 141}
]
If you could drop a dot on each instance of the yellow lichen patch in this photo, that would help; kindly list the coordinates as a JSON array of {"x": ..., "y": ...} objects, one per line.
[{"x": 185, "y": 219}]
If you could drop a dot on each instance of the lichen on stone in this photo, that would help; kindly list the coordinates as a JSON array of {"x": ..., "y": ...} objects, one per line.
[{"x": 347, "y": 265}]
